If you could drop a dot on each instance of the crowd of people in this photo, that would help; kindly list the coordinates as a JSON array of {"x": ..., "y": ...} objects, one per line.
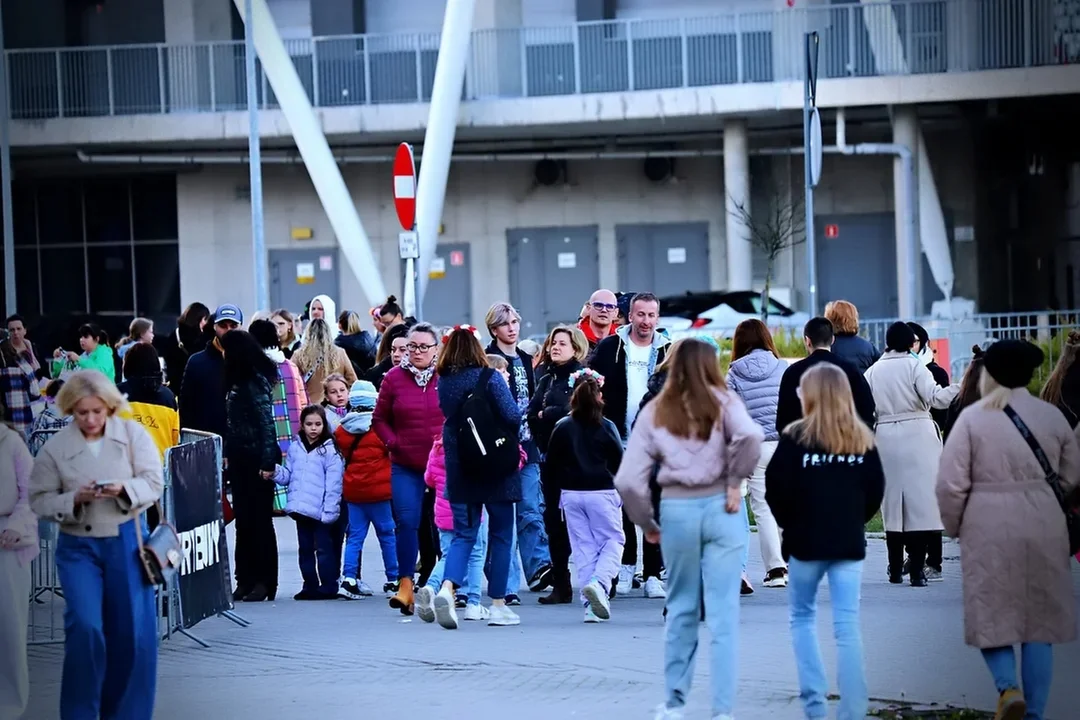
[{"x": 607, "y": 447}]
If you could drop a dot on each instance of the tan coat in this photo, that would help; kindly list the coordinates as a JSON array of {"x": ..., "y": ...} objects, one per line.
[
  {"x": 313, "y": 383},
  {"x": 907, "y": 439},
  {"x": 128, "y": 456},
  {"x": 1014, "y": 549}
]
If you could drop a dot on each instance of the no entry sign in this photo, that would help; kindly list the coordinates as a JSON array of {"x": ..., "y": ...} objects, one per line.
[{"x": 405, "y": 186}]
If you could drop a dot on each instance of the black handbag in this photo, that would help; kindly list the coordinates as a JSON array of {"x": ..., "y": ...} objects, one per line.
[{"x": 1072, "y": 520}]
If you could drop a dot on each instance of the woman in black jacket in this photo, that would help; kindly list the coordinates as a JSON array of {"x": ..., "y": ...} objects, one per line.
[
  {"x": 847, "y": 344},
  {"x": 188, "y": 339},
  {"x": 251, "y": 453},
  {"x": 563, "y": 353},
  {"x": 823, "y": 485}
]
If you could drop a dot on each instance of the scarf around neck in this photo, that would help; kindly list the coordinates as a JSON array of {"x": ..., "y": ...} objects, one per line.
[{"x": 423, "y": 377}]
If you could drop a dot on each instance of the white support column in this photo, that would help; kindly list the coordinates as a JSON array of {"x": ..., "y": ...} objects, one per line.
[
  {"x": 498, "y": 48},
  {"x": 740, "y": 275},
  {"x": 441, "y": 128},
  {"x": 906, "y": 133},
  {"x": 315, "y": 151},
  {"x": 188, "y": 66}
]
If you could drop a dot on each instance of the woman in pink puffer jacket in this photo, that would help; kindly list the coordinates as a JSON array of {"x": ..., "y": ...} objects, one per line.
[{"x": 435, "y": 477}]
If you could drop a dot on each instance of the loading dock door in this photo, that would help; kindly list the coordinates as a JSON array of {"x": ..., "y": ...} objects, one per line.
[
  {"x": 664, "y": 259},
  {"x": 856, "y": 261},
  {"x": 296, "y": 276},
  {"x": 553, "y": 271}
]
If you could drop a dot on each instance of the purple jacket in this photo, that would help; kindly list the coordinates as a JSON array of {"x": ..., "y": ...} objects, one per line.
[
  {"x": 313, "y": 479},
  {"x": 407, "y": 418}
]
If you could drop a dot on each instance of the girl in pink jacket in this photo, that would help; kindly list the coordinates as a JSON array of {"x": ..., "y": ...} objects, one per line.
[{"x": 435, "y": 477}]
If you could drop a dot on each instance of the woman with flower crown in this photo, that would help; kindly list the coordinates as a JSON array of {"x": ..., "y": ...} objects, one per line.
[{"x": 562, "y": 355}]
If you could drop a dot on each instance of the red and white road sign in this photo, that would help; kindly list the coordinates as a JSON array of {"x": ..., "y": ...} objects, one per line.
[{"x": 405, "y": 186}]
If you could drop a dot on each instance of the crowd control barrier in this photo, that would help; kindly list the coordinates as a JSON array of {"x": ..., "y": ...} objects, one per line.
[{"x": 191, "y": 503}]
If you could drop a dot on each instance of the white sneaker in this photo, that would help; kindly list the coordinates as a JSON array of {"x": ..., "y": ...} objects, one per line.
[
  {"x": 592, "y": 617},
  {"x": 445, "y": 612},
  {"x": 598, "y": 601},
  {"x": 365, "y": 589},
  {"x": 663, "y": 712},
  {"x": 654, "y": 589},
  {"x": 776, "y": 578},
  {"x": 476, "y": 612},
  {"x": 350, "y": 589},
  {"x": 626, "y": 580},
  {"x": 502, "y": 616},
  {"x": 425, "y": 604}
]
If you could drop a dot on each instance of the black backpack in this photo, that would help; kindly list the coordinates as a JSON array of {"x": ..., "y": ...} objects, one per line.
[{"x": 488, "y": 448}]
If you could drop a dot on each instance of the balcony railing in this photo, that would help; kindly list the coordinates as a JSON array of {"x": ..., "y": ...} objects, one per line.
[{"x": 857, "y": 40}]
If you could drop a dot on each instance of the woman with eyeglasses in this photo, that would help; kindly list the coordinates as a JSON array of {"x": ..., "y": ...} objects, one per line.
[{"x": 408, "y": 419}]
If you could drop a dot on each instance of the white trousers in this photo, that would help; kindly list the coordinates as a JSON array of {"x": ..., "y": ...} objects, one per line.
[
  {"x": 14, "y": 614},
  {"x": 767, "y": 531}
]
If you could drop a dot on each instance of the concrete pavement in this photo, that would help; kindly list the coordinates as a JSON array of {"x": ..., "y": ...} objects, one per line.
[{"x": 339, "y": 659}]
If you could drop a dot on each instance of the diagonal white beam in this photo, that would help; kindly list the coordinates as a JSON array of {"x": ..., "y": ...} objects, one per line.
[{"x": 315, "y": 151}]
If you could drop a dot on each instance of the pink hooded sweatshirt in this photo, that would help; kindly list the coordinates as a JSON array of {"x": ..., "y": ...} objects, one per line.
[{"x": 435, "y": 477}]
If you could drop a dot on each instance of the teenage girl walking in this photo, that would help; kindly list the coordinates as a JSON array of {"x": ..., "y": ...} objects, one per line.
[
  {"x": 312, "y": 472},
  {"x": 583, "y": 456}
]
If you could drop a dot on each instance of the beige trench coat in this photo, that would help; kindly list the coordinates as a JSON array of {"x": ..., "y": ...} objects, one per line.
[
  {"x": 1014, "y": 549},
  {"x": 907, "y": 439}
]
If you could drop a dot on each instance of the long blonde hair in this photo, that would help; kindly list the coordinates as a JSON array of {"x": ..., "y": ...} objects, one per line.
[
  {"x": 687, "y": 407},
  {"x": 318, "y": 345},
  {"x": 830, "y": 422},
  {"x": 1051, "y": 392}
]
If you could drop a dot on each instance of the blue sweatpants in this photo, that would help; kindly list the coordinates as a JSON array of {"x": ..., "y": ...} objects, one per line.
[{"x": 110, "y": 629}]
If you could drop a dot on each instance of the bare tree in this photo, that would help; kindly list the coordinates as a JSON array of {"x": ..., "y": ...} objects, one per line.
[{"x": 782, "y": 225}]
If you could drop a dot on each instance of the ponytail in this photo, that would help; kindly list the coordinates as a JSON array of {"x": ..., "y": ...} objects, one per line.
[{"x": 587, "y": 402}]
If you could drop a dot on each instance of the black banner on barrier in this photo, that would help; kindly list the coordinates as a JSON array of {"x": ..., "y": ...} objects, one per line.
[{"x": 205, "y": 585}]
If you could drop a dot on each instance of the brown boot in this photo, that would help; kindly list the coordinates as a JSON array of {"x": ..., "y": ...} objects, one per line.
[
  {"x": 403, "y": 600},
  {"x": 1011, "y": 705}
]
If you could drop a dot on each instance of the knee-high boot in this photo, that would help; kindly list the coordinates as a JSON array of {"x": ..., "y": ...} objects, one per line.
[{"x": 894, "y": 541}]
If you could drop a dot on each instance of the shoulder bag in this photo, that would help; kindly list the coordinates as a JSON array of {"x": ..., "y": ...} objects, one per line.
[
  {"x": 1072, "y": 520},
  {"x": 160, "y": 554}
]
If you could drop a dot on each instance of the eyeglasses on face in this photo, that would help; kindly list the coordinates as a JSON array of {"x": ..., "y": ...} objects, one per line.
[
  {"x": 418, "y": 347},
  {"x": 604, "y": 307}
]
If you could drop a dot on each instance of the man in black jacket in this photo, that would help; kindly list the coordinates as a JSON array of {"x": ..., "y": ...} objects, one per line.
[
  {"x": 818, "y": 335},
  {"x": 627, "y": 360},
  {"x": 202, "y": 391}
]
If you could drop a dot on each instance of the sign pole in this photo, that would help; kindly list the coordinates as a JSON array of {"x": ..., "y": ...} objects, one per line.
[
  {"x": 408, "y": 239},
  {"x": 5, "y": 180},
  {"x": 810, "y": 102}
]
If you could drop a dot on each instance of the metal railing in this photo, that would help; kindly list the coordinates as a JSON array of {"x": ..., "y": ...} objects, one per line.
[{"x": 903, "y": 37}]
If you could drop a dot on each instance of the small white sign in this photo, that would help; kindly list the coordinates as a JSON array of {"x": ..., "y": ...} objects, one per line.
[
  {"x": 408, "y": 245},
  {"x": 676, "y": 255},
  {"x": 326, "y": 262},
  {"x": 964, "y": 233},
  {"x": 305, "y": 273},
  {"x": 438, "y": 267},
  {"x": 567, "y": 260}
]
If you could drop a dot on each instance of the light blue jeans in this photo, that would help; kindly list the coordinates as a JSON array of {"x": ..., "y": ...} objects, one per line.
[
  {"x": 845, "y": 580},
  {"x": 474, "y": 577},
  {"x": 746, "y": 522},
  {"x": 1036, "y": 667},
  {"x": 532, "y": 537},
  {"x": 703, "y": 546}
]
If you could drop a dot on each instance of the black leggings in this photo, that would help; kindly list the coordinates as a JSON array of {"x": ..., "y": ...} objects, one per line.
[
  {"x": 652, "y": 560},
  {"x": 429, "y": 543},
  {"x": 256, "y": 553},
  {"x": 558, "y": 537}
]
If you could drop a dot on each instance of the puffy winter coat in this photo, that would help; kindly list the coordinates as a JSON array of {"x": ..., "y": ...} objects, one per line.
[
  {"x": 249, "y": 438},
  {"x": 313, "y": 478},
  {"x": 756, "y": 379},
  {"x": 408, "y": 418},
  {"x": 367, "y": 461}
]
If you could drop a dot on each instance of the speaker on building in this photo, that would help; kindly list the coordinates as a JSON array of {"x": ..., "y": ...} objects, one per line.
[
  {"x": 659, "y": 169},
  {"x": 549, "y": 172}
]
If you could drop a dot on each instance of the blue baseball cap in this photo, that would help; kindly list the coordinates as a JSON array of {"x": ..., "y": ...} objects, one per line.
[{"x": 228, "y": 312}]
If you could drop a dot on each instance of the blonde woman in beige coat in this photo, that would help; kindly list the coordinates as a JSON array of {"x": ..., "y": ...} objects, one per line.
[
  {"x": 96, "y": 478},
  {"x": 909, "y": 443},
  {"x": 18, "y": 548},
  {"x": 1014, "y": 545},
  {"x": 318, "y": 358}
]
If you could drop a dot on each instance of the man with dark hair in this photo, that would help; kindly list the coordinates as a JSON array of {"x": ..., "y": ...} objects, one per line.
[
  {"x": 627, "y": 359},
  {"x": 818, "y": 337}
]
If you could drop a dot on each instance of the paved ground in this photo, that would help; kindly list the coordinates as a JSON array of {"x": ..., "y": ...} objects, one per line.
[{"x": 335, "y": 660}]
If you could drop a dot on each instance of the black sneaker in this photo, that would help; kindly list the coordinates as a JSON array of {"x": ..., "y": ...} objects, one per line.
[
  {"x": 350, "y": 589},
  {"x": 461, "y": 601},
  {"x": 776, "y": 578},
  {"x": 390, "y": 589},
  {"x": 512, "y": 599},
  {"x": 542, "y": 579}
]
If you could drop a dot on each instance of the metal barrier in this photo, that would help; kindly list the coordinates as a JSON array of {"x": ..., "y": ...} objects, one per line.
[
  {"x": 902, "y": 37},
  {"x": 46, "y": 624}
]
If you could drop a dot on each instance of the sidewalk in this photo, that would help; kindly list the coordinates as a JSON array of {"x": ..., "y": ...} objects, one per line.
[{"x": 345, "y": 659}]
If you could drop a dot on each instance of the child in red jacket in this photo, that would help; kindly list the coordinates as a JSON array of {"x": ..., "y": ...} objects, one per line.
[{"x": 366, "y": 490}]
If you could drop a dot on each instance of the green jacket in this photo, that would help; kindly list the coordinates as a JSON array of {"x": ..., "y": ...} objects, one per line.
[{"x": 101, "y": 360}]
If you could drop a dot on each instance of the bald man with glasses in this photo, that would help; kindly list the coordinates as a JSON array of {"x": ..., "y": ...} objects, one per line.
[{"x": 599, "y": 317}]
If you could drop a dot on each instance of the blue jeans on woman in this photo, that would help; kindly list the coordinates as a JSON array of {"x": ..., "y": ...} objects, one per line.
[
  {"x": 407, "y": 496},
  {"x": 110, "y": 628},
  {"x": 474, "y": 578},
  {"x": 703, "y": 546},
  {"x": 1036, "y": 667},
  {"x": 845, "y": 580},
  {"x": 466, "y": 531}
]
